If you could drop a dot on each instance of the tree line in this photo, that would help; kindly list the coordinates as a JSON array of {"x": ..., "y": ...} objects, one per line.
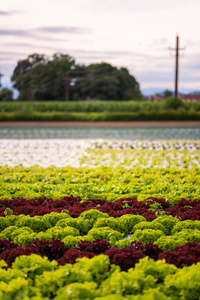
[{"x": 61, "y": 78}]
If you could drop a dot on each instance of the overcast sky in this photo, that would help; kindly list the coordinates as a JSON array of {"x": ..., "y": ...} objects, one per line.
[{"x": 129, "y": 33}]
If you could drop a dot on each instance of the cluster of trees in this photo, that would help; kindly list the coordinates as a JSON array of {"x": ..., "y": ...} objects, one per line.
[
  {"x": 6, "y": 94},
  {"x": 60, "y": 78}
]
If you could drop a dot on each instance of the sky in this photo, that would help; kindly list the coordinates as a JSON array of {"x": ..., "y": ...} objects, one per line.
[{"x": 125, "y": 33}]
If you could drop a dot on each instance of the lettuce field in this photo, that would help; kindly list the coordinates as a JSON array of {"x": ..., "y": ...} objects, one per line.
[{"x": 100, "y": 218}]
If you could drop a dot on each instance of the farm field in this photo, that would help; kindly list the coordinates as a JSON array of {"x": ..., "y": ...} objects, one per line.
[
  {"x": 113, "y": 216},
  {"x": 102, "y": 111}
]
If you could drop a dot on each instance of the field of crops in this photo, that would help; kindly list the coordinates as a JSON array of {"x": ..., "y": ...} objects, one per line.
[
  {"x": 99, "y": 219},
  {"x": 98, "y": 111}
]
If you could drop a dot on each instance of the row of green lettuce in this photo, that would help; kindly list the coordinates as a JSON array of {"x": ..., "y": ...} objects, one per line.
[
  {"x": 164, "y": 231},
  {"x": 103, "y": 182},
  {"x": 141, "y": 158},
  {"x": 36, "y": 278}
]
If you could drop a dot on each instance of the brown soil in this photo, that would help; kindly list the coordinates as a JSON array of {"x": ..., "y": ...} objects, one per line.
[{"x": 102, "y": 124}]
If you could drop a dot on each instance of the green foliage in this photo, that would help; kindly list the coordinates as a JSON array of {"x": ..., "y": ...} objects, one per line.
[
  {"x": 188, "y": 224},
  {"x": 147, "y": 235},
  {"x": 55, "y": 217},
  {"x": 184, "y": 284},
  {"x": 15, "y": 289},
  {"x": 167, "y": 93},
  {"x": 158, "y": 269},
  {"x": 173, "y": 103},
  {"x": 8, "y": 231},
  {"x": 190, "y": 235},
  {"x": 105, "y": 233},
  {"x": 50, "y": 283},
  {"x": 98, "y": 266},
  {"x": 9, "y": 274},
  {"x": 24, "y": 238},
  {"x": 128, "y": 222},
  {"x": 86, "y": 290},
  {"x": 35, "y": 223},
  {"x": 169, "y": 242},
  {"x": 169, "y": 183},
  {"x": 164, "y": 115},
  {"x": 151, "y": 294},
  {"x": 71, "y": 241},
  {"x": 111, "y": 297},
  {"x": 167, "y": 221},
  {"x": 88, "y": 106},
  {"x": 149, "y": 225},
  {"x": 109, "y": 228},
  {"x": 92, "y": 215},
  {"x": 122, "y": 243},
  {"x": 132, "y": 282},
  {"x": 11, "y": 219},
  {"x": 108, "y": 222},
  {"x": 3, "y": 237},
  {"x": 39, "y": 78},
  {"x": 44, "y": 236},
  {"x": 61, "y": 233},
  {"x": 20, "y": 235},
  {"x": 36, "y": 278},
  {"x": 33, "y": 265},
  {"x": 20, "y": 230},
  {"x": 3, "y": 223},
  {"x": 83, "y": 225},
  {"x": 6, "y": 94}
]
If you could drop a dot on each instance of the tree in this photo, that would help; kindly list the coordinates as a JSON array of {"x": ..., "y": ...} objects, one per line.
[
  {"x": 167, "y": 93},
  {"x": 173, "y": 103},
  {"x": 23, "y": 75},
  {"x": 39, "y": 78},
  {"x": 6, "y": 94},
  {"x": 105, "y": 82}
]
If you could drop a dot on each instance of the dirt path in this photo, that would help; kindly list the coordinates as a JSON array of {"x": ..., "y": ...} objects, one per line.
[{"x": 102, "y": 124}]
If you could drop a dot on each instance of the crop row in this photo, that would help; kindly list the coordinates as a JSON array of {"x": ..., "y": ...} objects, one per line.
[
  {"x": 184, "y": 155},
  {"x": 88, "y": 106},
  {"x": 125, "y": 257},
  {"x": 144, "y": 245},
  {"x": 150, "y": 208},
  {"x": 162, "y": 115},
  {"x": 147, "y": 158},
  {"x": 144, "y": 145},
  {"x": 22, "y": 144},
  {"x": 104, "y": 183},
  {"x": 166, "y": 231},
  {"x": 35, "y": 277}
]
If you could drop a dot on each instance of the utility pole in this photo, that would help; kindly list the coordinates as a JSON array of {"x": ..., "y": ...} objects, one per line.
[
  {"x": 176, "y": 64},
  {"x": 67, "y": 86}
]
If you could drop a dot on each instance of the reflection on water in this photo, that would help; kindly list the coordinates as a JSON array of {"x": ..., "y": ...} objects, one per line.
[{"x": 104, "y": 133}]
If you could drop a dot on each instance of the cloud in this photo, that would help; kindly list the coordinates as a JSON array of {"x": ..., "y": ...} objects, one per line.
[
  {"x": 27, "y": 34},
  {"x": 9, "y": 55},
  {"x": 44, "y": 33},
  {"x": 90, "y": 55},
  {"x": 15, "y": 32},
  {"x": 8, "y": 13},
  {"x": 62, "y": 29}
]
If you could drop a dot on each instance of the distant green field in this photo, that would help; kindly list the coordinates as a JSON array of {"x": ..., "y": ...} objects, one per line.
[
  {"x": 88, "y": 106},
  {"x": 96, "y": 111}
]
